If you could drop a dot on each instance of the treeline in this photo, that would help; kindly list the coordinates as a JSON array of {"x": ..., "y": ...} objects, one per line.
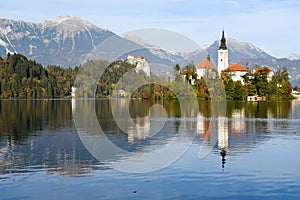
[
  {"x": 257, "y": 83},
  {"x": 260, "y": 83},
  {"x": 184, "y": 83},
  {"x": 23, "y": 78}
]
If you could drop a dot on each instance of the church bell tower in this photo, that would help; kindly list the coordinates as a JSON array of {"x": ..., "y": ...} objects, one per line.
[{"x": 222, "y": 55}]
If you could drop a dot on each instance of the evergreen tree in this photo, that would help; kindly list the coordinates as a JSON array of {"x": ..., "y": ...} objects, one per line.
[
  {"x": 230, "y": 87},
  {"x": 239, "y": 91}
]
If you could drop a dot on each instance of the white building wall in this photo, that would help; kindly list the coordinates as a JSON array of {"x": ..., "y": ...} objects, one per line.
[
  {"x": 238, "y": 76},
  {"x": 141, "y": 64},
  {"x": 200, "y": 72},
  {"x": 222, "y": 60}
]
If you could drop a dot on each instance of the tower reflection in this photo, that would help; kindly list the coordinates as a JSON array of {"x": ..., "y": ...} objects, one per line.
[{"x": 223, "y": 138}]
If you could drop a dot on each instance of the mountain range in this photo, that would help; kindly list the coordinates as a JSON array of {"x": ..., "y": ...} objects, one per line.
[
  {"x": 67, "y": 41},
  {"x": 62, "y": 41}
]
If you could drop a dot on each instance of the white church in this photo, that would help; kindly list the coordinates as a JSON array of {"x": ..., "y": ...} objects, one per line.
[
  {"x": 222, "y": 55},
  {"x": 236, "y": 71}
]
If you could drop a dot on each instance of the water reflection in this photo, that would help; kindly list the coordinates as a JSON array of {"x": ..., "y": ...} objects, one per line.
[
  {"x": 40, "y": 135},
  {"x": 223, "y": 138},
  {"x": 244, "y": 124},
  {"x": 153, "y": 141}
]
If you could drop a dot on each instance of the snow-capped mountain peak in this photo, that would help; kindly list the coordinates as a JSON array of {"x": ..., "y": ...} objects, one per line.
[
  {"x": 61, "y": 41},
  {"x": 293, "y": 56},
  {"x": 70, "y": 24},
  {"x": 70, "y": 20},
  {"x": 63, "y": 18}
]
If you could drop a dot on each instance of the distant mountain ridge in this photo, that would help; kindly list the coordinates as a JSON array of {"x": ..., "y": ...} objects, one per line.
[
  {"x": 67, "y": 40},
  {"x": 293, "y": 56},
  {"x": 62, "y": 41}
]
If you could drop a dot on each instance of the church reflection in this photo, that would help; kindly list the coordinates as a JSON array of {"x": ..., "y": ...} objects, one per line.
[
  {"x": 141, "y": 120},
  {"x": 141, "y": 131},
  {"x": 238, "y": 125},
  {"x": 242, "y": 126},
  {"x": 223, "y": 138}
]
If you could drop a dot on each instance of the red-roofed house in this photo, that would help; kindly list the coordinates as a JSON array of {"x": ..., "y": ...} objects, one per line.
[
  {"x": 204, "y": 67},
  {"x": 237, "y": 72}
]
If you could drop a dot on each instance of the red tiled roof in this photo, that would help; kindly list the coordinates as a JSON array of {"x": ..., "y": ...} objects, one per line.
[
  {"x": 206, "y": 64},
  {"x": 269, "y": 70},
  {"x": 236, "y": 67}
]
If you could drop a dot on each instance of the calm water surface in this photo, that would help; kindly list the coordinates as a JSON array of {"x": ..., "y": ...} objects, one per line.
[{"x": 255, "y": 151}]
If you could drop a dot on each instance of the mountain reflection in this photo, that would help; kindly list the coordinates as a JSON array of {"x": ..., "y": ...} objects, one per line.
[{"x": 40, "y": 135}]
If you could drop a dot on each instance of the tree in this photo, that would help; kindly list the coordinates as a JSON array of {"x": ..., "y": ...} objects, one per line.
[
  {"x": 177, "y": 72},
  {"x": 190, "y": 72},
  {"x": 23, "y": 78},
  {"x": 177, "y": 68},
  {"x": 239, "y": 91},
  {"x": 282, "y": 75},
  {"x": 230, "y": 87},
  {"x": 251, "y": 90}
]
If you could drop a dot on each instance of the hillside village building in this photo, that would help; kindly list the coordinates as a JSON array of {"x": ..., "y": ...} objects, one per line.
[
  {"x": 205, "y": 67},
  {"x": 188, "y": 77},
  {"x": 237, "y": 72},
  {"x": 140, "y": 62}
]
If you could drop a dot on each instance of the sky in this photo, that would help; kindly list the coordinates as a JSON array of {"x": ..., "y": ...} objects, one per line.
[{"x": 271, "y": 25}]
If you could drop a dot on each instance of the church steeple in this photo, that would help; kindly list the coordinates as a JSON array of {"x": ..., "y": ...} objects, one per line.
[
  {"x": 223, "y": 42},
  {"x": 208, "y": 57},
  {"x": 222, "y": 55}
]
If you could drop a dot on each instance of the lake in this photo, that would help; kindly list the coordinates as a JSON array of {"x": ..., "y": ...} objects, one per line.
[{"x": 141, "y": 149}]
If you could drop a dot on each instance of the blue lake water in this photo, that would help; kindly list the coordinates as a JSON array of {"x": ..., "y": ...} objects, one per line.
[{"x": 50, "y": 150}]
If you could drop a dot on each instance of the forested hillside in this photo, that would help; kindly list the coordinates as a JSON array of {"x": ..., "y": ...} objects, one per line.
[{"x": 23, "y": 78}]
